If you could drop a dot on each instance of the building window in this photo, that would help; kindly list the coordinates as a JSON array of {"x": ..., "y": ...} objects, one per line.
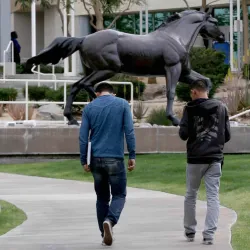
[
  {"x": 126, "y": 23},
  {"x": 131, "y": 23},
  {"x": 107, "y": 21},
  {"x": 160, "y": 17}
]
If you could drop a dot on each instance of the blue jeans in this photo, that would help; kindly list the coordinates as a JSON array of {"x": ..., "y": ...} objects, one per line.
[{"x": 109, "y": 173}]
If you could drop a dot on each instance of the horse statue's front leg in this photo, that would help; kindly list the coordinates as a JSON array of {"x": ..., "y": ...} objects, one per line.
[
  {"x": 172, "y": 76},
  {"x": 76, "y": 87},
  {"x": 193, "y": 76}
]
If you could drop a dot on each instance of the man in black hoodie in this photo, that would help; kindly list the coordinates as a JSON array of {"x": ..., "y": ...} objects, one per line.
[{"x": 205, "y": 125}]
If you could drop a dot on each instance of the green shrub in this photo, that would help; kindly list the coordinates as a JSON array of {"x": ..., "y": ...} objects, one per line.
[
  {"x": 158, "y": 117},
  {"x": 124, "y": 91},
  {"x": 37, "y": 93},
  {"x": 246, "y": 71},
  {"x": 58, "y": 96},
  {"x": 43, "y": 69},
  {"x": 209, "y": 63},
  {"x": 48, "y": 69},
  {"x": 8, "y": 94}
]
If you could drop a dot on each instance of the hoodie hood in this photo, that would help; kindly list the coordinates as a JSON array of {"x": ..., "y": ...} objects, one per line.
[{"x": 208, "y": 106}]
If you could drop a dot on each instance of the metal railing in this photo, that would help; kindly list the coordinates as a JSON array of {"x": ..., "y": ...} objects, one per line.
[
  {"x": 10, "y": 44},
  {"x": 39, "y": 73},
  {"x": 240, "y": 114},
  {"x": 27, "y": 102}
]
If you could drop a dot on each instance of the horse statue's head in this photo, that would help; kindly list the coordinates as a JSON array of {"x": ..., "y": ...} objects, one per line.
[
  {"x": 210, "y": 29},
  {"x": 188, "y": 22}
]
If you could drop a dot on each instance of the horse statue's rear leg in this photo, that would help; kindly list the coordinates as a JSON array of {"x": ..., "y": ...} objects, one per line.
[
  {"x": 86, "y": 83},
  {"x": 172, "y": 76}
]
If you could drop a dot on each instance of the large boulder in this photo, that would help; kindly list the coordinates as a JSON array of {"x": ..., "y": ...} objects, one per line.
[
  {"x": 50, "y": 112},
  {"x": 153, "y": 91}
]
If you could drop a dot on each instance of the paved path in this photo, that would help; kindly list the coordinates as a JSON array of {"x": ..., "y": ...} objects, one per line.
[{"x": 61, "y": 216}]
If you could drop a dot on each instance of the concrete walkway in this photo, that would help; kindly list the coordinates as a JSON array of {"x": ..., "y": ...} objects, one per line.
[{"x": 61, "y": 216}]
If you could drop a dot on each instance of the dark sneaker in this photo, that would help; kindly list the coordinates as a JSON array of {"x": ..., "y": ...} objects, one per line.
[
  {"x": 207, "y": 241},
  {"x": 190, "y": 236},
  {"x": 108, "y": 234}
]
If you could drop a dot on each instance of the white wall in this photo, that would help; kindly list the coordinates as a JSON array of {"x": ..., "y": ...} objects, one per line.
[
  {"x": 22, "y": 25},
  {"x": 52, "y": 25},
  {"x": 5, "y": 26},
  {"x": 82, "y": 28}
]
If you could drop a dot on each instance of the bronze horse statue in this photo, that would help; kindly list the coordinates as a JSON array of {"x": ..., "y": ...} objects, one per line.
[{"x": 164, "y": 52}]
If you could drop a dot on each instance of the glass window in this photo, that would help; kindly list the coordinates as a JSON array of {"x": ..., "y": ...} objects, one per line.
[
  {"x": 107, "y": 21},
  {"x": 160, "y": 17},
  {"x": 137, "y": 24},
  {"x": 126, "y": 23},
  {"x": 223, "y": 16}
]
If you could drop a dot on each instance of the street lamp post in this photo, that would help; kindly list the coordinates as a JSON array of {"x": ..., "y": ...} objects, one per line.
[
  {"x": 33, "y": 27},
  {"x": 146, "y": 18},
  {"x": 238, "y": 37},
  {"x": 231, "y": 36},
  {"x": 65, "y": 33}
]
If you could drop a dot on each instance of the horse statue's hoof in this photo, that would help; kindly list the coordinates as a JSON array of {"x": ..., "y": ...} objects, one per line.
[
  {"x": 175, "y": 121},
  {"x": 73, "y": 122}
]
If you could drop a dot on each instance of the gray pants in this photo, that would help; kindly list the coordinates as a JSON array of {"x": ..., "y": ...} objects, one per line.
[{"x": 194, "y": 175}]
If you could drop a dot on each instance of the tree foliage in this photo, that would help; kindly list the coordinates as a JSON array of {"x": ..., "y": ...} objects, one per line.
[{"x": 113, "y": 8}]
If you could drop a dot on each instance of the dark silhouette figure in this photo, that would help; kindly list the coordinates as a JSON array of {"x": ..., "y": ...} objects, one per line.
[
  {"x": 17, "y": 47},
  {"x": 164, "y": 52}
]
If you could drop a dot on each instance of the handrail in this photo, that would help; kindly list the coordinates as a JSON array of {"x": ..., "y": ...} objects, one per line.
[
  {"x": 27, "y": 102},
  {"x": 12, "y": 58},
  {"x": 240, "y": 114},
  {"x": 44, "y": 74}
]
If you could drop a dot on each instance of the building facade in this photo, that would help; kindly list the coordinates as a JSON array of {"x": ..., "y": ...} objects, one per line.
[
  {"x": 5, "y": 26},
  {"x": 49, "y": 23}
]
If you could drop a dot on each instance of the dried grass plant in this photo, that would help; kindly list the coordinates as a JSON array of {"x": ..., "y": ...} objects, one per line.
[
  {"x": 17, "y": 112},
  {"x": 139, "y": 110},
  {"x": 1, "y": 110}
]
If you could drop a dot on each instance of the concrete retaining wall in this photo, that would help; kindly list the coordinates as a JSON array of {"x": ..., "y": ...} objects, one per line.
[{"x": 30, "y": 141}]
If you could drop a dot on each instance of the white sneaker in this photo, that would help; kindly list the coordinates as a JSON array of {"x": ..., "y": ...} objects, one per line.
[
  {"x": 108, "y": 234},
  {"x": 207, "y": 241}
]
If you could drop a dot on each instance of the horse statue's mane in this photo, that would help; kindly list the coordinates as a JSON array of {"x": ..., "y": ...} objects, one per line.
[{"x": 174, "y": 17}]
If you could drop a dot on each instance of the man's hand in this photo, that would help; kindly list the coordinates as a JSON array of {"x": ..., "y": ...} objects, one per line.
[
  {"x": 86, "y": 168},
  {"x": 131, "y": 165}
]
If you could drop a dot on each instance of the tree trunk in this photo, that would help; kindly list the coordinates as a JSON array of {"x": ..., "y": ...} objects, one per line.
[
  {"x": 99, "y": 15},
  {"x": 245, "y": 30},
  {"x": 204, "y": 3},
  {"x": 62, "y": 18}
]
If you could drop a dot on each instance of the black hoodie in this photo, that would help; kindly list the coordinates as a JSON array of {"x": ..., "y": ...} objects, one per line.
[{"x": 205, "y": 125}]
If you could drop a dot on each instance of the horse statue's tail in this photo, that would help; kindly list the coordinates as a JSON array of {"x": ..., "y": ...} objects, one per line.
[{"x": 60, "y": 48}]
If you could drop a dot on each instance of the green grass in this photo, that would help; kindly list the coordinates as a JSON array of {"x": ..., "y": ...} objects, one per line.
[
  {"x": 10, "y": 217},
  {"x": 166, "y": 172}
]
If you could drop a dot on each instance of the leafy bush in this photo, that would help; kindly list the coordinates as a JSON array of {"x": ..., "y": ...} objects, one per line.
[
  {"x": 58, "y": 96},
  {"x": 123, "y": 91},
  {"x": 158, "y": 117},
  {"x": 43, "y": 68},
  {"x": 37, "y": 93},
  {"x": 8, "y": 94},
  {"x": 246, "y": 71},
  {"x": 209, "y": 63}
]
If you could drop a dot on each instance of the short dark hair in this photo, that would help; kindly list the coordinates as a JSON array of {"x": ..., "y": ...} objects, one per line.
[
  {"x": 199, "y": 85},
  {"x": 13, "y": 35},
  {"x": 104, "y": 86}
]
